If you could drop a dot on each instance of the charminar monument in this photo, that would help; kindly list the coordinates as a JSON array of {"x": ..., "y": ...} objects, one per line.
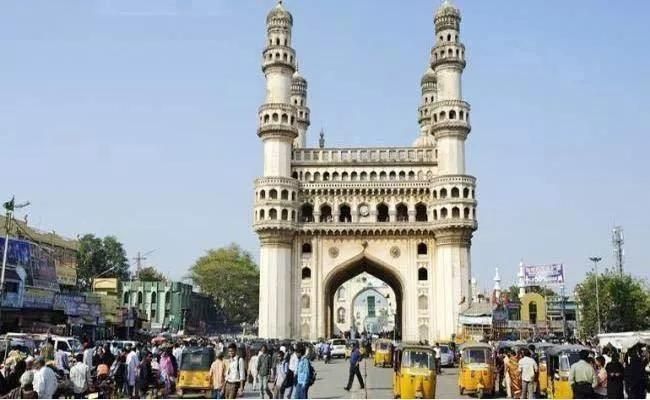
[{"x": 402, "y": 214}]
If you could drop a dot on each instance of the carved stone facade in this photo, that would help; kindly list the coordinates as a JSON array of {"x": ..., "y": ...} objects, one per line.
[{"x": 402, "y": 214}]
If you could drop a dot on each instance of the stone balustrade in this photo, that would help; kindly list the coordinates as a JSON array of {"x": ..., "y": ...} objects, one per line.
[{"x": 364, "y": 156}]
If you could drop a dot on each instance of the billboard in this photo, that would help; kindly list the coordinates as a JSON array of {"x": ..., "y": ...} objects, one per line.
[
  {"x": 66, "y": 271},
  {"x": 38, "y": 298},
  {"x": 540, "y": 275},
  {"x": 17, "y": 254},
  {"x": 42, "y": 270}
]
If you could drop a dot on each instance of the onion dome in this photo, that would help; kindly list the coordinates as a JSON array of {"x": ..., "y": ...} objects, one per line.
[
  {"x": 279, "y": 13},
  {"x": 425, "y": 141},
  {"x": 428, "y": 77},
  {"x": 296, "y": 75},
  {"x": 447, "y": 9}
]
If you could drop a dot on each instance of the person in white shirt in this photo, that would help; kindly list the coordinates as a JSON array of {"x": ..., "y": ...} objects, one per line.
[
  {"x": 132, "y": 362},
  {"x": 80, "y": 376},
  {"x": 45, "y": 383},
  {"x": 88, "y": 355},
  {"x": 528, "y": 370},
  {"x": 235, "y": 374}
]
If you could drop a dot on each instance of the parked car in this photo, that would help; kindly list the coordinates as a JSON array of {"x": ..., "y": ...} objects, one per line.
[{"x": 338, "y": 347}]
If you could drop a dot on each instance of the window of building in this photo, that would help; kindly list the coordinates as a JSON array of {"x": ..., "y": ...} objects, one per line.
[
  {"x": 423, "y": 274},
  {"x": 306, "y": 249},
  {"x": 306, "y": 273},
  {"x": 422, "y": 249}
]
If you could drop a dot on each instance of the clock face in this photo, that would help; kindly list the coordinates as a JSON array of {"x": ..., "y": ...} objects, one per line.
[{"x": 364, "y": 210}]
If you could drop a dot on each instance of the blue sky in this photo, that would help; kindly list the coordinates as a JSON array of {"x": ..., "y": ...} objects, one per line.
[{"x": 138, "y": 117}]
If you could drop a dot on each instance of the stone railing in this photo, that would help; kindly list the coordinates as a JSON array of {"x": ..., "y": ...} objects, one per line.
[
  {"x": 365, "y": 185},
  {"x": 386, "y": 227},
  {"x": 453, "y": 179},
  {"x": 361, "y": 156}
]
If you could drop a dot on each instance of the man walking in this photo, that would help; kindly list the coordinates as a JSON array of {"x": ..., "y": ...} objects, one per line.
[
  {"x": 437, "y": 351},
  {"x": 80, "y": 377},
  {"x": 528, "y": 371},
  {"x": 582, "y": 377},
  {"x": 218, "y": 376},
  {"x": 305, "y": 374},
  {"x": 235, "y": 373},
  {"x": 263, "y": 371},
  {"x": 355, "y": 359}
]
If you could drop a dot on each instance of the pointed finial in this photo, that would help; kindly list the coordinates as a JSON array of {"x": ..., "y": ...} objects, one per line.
[
  {"x": 321, "y": 141},
  {"x": 297, "y": 68}
]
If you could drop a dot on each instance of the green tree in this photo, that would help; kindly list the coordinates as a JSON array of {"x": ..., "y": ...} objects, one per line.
[
  {"x": 624, "y": 303},
  {"x": 97, "y": 256},
  {"x": 149, "y": 274},
  {"x": 230, "y": 275}
]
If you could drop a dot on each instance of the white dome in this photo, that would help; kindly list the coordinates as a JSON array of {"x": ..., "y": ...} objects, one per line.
[{"x": 425, "y": 141}]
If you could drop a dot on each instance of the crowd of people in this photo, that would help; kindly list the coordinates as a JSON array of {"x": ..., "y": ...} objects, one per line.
[{"x": 604, "y": 374}]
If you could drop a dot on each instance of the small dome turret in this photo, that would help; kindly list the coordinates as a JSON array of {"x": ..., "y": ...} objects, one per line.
[
  {"x": 425, "y": 141},
  {"x": 297, "y": 78},
  {"x": 447, "y": 9},
  {"x": 279, "y": 13},
  {"x": 428, "y": 77}
]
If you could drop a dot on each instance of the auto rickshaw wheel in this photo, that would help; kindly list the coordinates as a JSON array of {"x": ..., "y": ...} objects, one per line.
[
  {"x": 480, "y": 393},
  {"x": 461, "y": 390}
]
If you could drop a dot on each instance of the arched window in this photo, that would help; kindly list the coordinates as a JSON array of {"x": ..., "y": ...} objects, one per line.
[
  {"x": 335, "y": 176},
  {"x": 435, "y": 214},
  {"x": 466, "y": 193},
  {"x": 402, "y": 176},
  {"x": 262, "y": 194},
  {"x": 443, "y": 213},
  {"x": 423, "y": 274},
  {"x": 307, "y": 176},
  {"x": 455, "y": 212},
  {"x": 392, "y": 176},
  {"x": 353, "y": 176},
  {"x": 363, "y": 176},
  {"x": 275, "y": 117},
  {"x": 266, "y": 118},
  {"x": 326, "y": 176},
  {"x": 284, "y": 195},
  {"x": 340, "y": 315},
  {"x": 168, "y": 297},
  {"x": 455, "y": 193},
  {"x": 325, "y": 213},
  {"x": 402, "y": 212},
  {"x": 305, "y": 302},
  {"x": 306, "y": 249},
  {"x": 262, "y": 216},
  {"x": 421, "y": 212},
  {"x": 443, "y": 193},
  {"x": 126, "y": 297},
  {"x": 307, "y": 213},
  {"x": 154, "y": 296},
  {"x": 423, "y": 302},
  {"x": 466, "y": 213},
  {"x": 422, "y": 249},
  {"x": 284, "y": 215},
  {"x": 294, "y": 175},
  {"x": 273, "y": 213},
  {"x": 139, "y": 297},
  {"x": 411, "y": 175},
  {"x": 452, "y": 114},
  {"x": 442, "y": 115},
  {"x": 345, "y": 213},
  {"x": 285, "y": 117},
  {"x": 373, "y": 176},
  {"x": 532, "y": 312},
  {"x": 382, "y": 176},
  {"x": 316, "y": 176},
  {"x": 341, "y": 294},
  {"x": 273, "y": 194},
  {"x": 293, "y": 196},
  {"x": 306, "y": 273},
  {"x": 382, "y": 212},
  {"x": 344, "y": 176}
]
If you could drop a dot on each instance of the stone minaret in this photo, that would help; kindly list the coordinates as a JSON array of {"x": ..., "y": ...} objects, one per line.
[
  {"x": 497, "y": 284},
  {"x": 275, "y": 205},
  {"x": 299, "y": 100},
  {"x": 521, "y": 280},
  {"x": 453, "y": 190},
  {"x": 428, "y": 86}
]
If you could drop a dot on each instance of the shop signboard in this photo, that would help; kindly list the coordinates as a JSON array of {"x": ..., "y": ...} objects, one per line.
[
  {"x": 68, "y": 302},
  {"x": 66, "y": 271},
  {"x": 17, "y": 254},
  {"x": 38, "y": 298},
  {"x": 41, "y": 269},
  {"x": 541, "y": 275}
]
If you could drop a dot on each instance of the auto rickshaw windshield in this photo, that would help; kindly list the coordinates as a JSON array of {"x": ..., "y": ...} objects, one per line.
[
  {"x": 476, "y": 356},
  {"x": 568, "y": 359},
  {"x": 384, "y": 346},
  {"x": 417, "y": 359},
  {"x": 196, "y": 360}
]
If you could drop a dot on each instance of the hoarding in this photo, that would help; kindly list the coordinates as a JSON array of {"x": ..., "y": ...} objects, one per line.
[
  {"x": 18, "y": 252},
  {"x": 42, "y": 271},
  {"x": 540, "y": 275},
  {"x": 66, "y": 271},
  {"x": 38, "y": 298}
]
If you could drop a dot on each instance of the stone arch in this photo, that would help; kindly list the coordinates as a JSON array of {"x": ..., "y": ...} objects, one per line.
[
  {"x": 284, "y": 214},
  {"x": 382, "y": 212},
  {"x": 423, "y": 250},
  {"x": 455, "y": 193},
  {"x": 305, "y": 273},
  {"x": 262, "y": 216},
  {"x": 402, "y": 212},
  {"x": 325, "y": 213},
  {"x": 306, "y": 249},
  {"x": 273, "y": 213},
  {"x": 466, "y": 193},
  {"x": 423, "y": 274},
  {"x": 352, "y": 267},
  {"x": 455, "y": 212},
  {"x": 262, "y": 194},
  {"x": 284, "y": 194},
  {"x": 345, "y": 213},
  {"x": 421, "y": 212},
  {"x": 307, "y": 212}
]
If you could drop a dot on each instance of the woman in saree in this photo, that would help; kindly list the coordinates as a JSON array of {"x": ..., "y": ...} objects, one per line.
[{"x": 514, "y": 374}]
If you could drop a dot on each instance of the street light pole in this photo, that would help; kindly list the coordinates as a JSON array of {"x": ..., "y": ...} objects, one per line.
[
  {"x": 595, "y": 260},
  {"x": 564, "y": 326},
  {"x": 9, "y": 206}
]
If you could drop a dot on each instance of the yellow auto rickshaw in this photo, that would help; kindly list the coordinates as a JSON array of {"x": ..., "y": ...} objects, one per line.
[
  {"x": 541, "y": 350},
  {"x": 383, "y": 352},
  {"x": 559, "y": 360},
  {"x": 476, "y": 369},
  {"x": 194, "y": 376},
  {"x": 414, "y": 372}
]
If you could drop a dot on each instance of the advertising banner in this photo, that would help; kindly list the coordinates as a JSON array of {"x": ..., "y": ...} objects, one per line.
[
  {"x": 66, "y": 271},
  {"x": 38, "y": 298},
  {"x": 42, "y": 270},
  {"x": 17, "y": 254},
  {"x": 69, "y": 302},
  {"x": 540, "y": 275}
]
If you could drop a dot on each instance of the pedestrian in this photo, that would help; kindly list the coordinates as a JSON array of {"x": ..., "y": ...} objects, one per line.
[
  {"x": 166, "y": 369},
  {"x": 293, "y": 367},
  {"x": 218, "y": 377},
  {"x": 88, "y": 355},
  {"x": 281, "y": 372},
  {"x": 132, "y": 362},
  {"x": 437, "y": 351},
  {"x": 118, "y": 374},
  {"x": 355, "y": 359},
  {"x": 146, "y": 377},
  {"x": 263, "y": 368},
  {"x": 514, "y": 375},
  {"x": 44, "y": 382},
  {"x": 615, "y": 374},
  {"x": 235, "y": 374},
  {"x": 601, "y": 378},
  {"x": 13, "y": 380},
  {"x": 582, "y": 377},
  {"x": 24, "y": 391},
  {"x": 252, "y": 370},
  {"x": 80, "y": 377},
  {"x": 499, "y": 369},
  {"x": 305, "y": 374},
  {"x": 528, "y": 371},
  {"x": 635, "y": 376},
  {"x": 61, "y": 361}
]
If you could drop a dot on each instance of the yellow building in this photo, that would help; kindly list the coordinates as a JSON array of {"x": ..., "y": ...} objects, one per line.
[{"x": 533, "y": 308}]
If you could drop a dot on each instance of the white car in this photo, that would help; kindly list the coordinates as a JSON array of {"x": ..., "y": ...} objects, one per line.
[
  {"x": 338, "y": 347},
  {"x": 446, "y": 356}
]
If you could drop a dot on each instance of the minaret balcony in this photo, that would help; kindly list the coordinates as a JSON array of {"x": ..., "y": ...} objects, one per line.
[
  {"x": 279, "y": 56},
  {"x": 448, "y": 53},
  {"x": 265, "y": 225},
  {"x": 277, "y": 131}
]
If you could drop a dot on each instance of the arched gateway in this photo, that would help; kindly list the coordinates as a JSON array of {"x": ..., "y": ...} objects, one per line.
[{"x": 325, "y": 215}]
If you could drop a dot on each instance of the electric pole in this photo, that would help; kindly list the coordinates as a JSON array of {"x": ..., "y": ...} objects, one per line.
[
  {"x": 596, "y": 260},
  {"x": 139, "y": 259},
  {"x": 617, "y": 242}
]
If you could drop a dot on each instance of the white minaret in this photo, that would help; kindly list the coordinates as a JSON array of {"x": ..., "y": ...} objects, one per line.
[
  {"x": 521, "y": 282},
  {"x": 275, "y": 208},
  {"x": 299, "y": 101},
  {"x": 453, "y": 191},
  {"x": 497, "y": 283},
  {"x": 428, "y": 88}
]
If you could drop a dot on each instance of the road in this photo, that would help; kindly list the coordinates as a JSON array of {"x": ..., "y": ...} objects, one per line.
[{"x": 331, "y": 378}]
